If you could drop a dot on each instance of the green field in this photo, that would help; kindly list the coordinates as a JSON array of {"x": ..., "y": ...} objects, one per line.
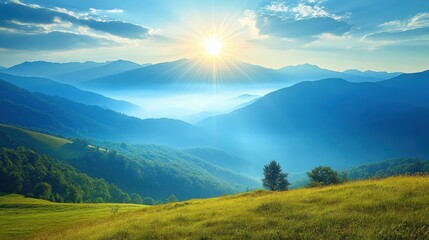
[
  {"x": 393, "y": 208},
  {"x": 22, "y": 217},
  {"x": 56, "y": 147}
]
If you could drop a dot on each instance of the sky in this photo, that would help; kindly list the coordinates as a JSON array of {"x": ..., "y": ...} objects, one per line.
[{"x": 388, "y": 35}]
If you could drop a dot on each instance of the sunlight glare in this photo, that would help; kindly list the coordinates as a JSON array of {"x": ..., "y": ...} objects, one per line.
[{"x": 213, "y": 46}]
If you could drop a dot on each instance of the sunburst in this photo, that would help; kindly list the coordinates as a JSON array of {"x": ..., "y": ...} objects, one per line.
[{"x": 213, "y": 46}]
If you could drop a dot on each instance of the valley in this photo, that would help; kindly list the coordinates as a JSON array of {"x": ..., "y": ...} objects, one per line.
[{"x": 273, "y": 119}]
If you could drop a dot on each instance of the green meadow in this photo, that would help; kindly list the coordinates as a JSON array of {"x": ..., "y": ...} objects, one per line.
[
  {"x": 22, "y": 217},
  {"x": 54, "y": 146},
  {"x": 392, "y": 208}
]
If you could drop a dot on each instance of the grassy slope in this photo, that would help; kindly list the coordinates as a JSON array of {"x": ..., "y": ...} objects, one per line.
[
  {"x": 20, "y": 217},
  {"x": 173, "y": 162},
  {"x": 54, "y": 142},
  {"x": 393, "y": 208},
  {"x": 54, "y": 146}
]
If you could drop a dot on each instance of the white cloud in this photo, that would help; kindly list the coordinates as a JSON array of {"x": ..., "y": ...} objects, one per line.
[
  {"x": 392, "y": 25},
  {"x": 301, "y": 10},
  {"x": 57, "y": 19},
  {"x": 307, "y": 11},
  {"x": 328, "y": 40},
  {"x": 249, "y": 21},
  {"x": 418, "y": 21},
  {"x": 400, "y": 31},
  {"x": 276, "y": 7},
  {"x": 24, "y": 4},
  {"x": 107, "y": 11}
]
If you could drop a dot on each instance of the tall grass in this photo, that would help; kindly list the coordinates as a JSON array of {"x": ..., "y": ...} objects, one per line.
[
  {"x": 393, "y": 208},
  {"x": 21, "y": 217}
]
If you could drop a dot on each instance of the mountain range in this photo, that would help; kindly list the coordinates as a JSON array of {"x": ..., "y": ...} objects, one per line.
[
  {"x": 190, "y": 74},
  {"x": 53, "y": 88},
  {"x": 72, "y": 72},
  {"x": 372, "y": 74},
  {"x": 308, "y": 72},
  {"x": 149, "y": 170},
  {"x": 49, "y": 69},
  {"x": 331, "y": 122},
  {"x": 61, "y": 116},
  {"x": 184, "y": 74}
]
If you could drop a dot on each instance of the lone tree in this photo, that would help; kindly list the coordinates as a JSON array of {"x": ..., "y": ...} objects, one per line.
[
  {"x": 274, "y": 178},
  {"x": 323, "y": 176},
  {"x": 172, "y": 198}
]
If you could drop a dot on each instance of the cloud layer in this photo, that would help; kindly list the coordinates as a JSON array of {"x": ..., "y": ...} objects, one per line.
[
  {"x": 414, "y": 28},
  {"x": 26, "y": 26},
  {"x": 298, "y": 20}
]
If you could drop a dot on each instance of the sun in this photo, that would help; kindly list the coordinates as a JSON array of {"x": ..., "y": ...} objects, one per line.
[{"x": 213, "y": 46}]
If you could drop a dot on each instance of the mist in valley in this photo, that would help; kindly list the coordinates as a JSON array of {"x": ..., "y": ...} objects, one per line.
[{"x": 189, "y": 106}]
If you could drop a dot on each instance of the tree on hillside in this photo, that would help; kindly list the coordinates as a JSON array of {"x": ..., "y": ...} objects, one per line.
[
  {"x": 323, "y": 176},
  {"x": 136, "y": 198},
  {"x": 43, "y": 190},
  {"x": 274, "y": 179},
  {"x": 81, "y": 142},
  {"x": 172, "y": 198},
  {"x": 26, "y": 172},
  {"x": 148, "y": 201}
]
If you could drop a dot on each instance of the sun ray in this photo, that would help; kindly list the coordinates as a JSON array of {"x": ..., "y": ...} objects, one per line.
[{"x": 213, "y": 46}]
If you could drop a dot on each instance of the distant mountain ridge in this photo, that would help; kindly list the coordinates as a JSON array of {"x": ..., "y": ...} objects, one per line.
[
  {"x": 149, "y": 170},
  {"x": 220, "y": 158},
  {"x": 187, "y": 73},
  {"x": 311, "y": 72},
  {"x": 53, "y": 88},
  {"x": 64, "y": 117},
  {"x": 48, "y": 69},
  {"x": 74, "y": 72},
  {"x": 331, "y": 122},
  {"x": 110, "y": 68},
  {"x": 373, "y": 74},
  {"x": 183, "y": 73}
]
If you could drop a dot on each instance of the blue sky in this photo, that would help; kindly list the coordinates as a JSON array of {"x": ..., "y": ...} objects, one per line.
[{"x": 388, "y": 35}]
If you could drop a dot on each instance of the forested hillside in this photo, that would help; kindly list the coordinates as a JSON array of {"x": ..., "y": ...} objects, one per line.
[
  {"x": 331, "y": 122},
  {"x": 53, "y": 88},
  {"x": 388, "y": 168},
  {"x": 149, "y": 170},
  {"x": 26, "y": 172},
  {"x": 61, "y": 116}
]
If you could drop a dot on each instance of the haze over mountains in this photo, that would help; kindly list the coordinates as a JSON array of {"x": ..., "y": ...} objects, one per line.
[
  {"x": 126, "y": 75},
  {"x": 53, "y": 88},
  {"x": 169, "y": 89},
  {"x": 308, "y": 72},
  {"x": 331, "y": 122},
  {"x": 341, "y": 122},
  {"x": 286, "y": 123},
  {"x": 188, "y": 73},
  {"x": 214, "y": 119},
  {"x": 64, "y": 117},
  {"x": 149, "y": 170},
  {"x": 73, "y": 72}
]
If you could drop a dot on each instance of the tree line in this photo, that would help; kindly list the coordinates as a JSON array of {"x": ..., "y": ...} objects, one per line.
[
  {"x": 26, "y": 172},
  {"x": 276, "y": 180}
]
